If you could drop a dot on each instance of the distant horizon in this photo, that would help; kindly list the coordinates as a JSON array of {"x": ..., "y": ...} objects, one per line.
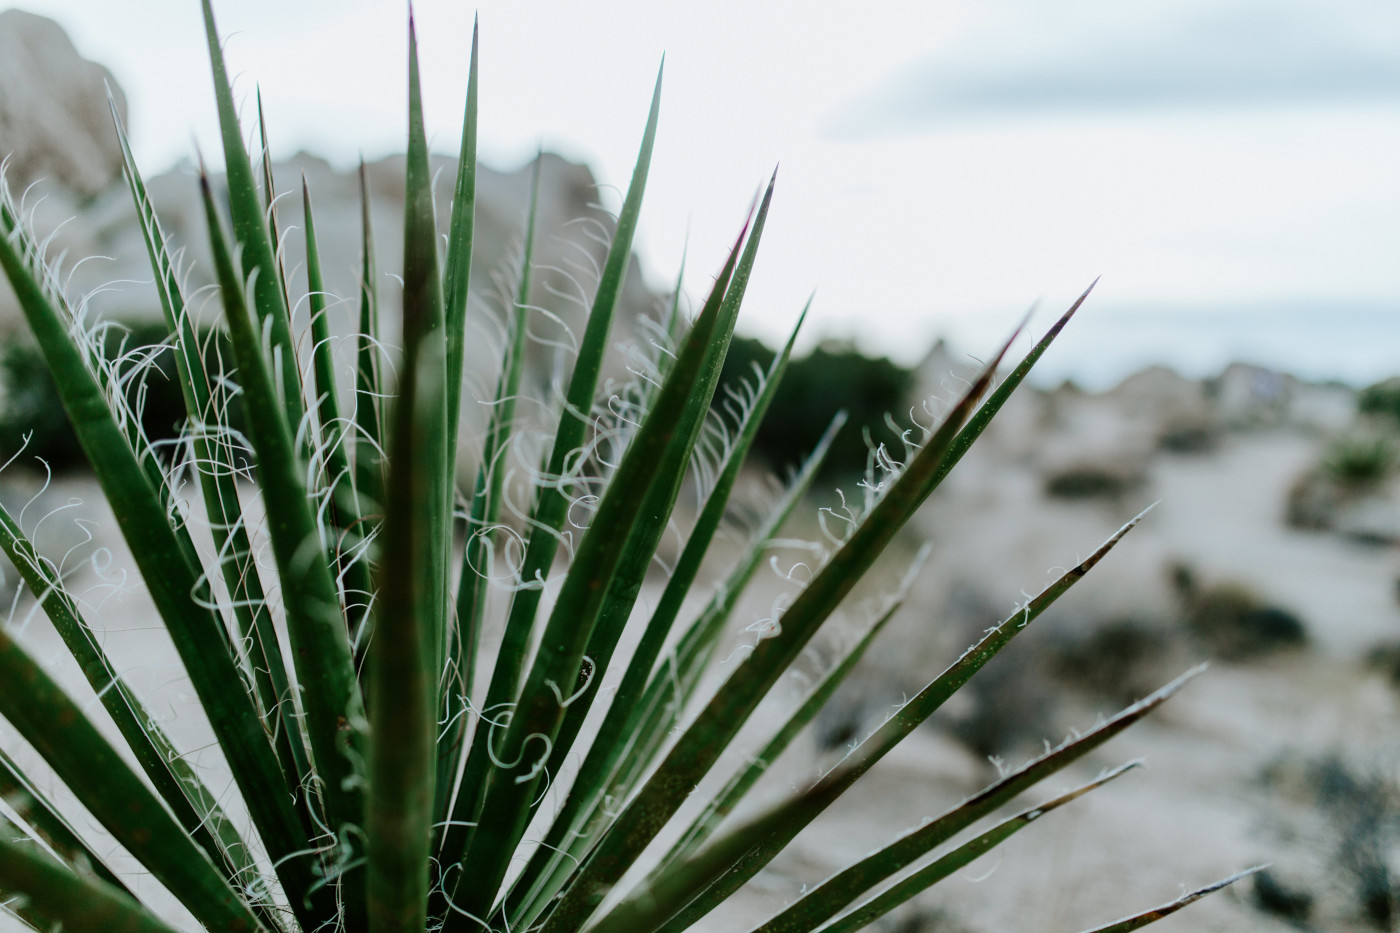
[
  {"x": 1099, "y": 350},
  {"x": 1315, "y": 340}
]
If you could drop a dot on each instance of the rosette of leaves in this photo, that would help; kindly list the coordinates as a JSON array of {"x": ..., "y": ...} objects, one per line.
[{"x": 392, "y": 705}]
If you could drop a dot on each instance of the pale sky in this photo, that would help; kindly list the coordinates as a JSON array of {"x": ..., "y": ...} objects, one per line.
[{"x": 944, "y": 165}]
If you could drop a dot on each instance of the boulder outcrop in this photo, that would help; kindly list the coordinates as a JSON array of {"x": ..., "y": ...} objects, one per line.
[
  {"x": 54, "y": 119},
  {"x": 56, "y": 128}
]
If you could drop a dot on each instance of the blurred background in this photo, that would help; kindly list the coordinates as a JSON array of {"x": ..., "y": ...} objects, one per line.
[{"x": 1227, "y": 166}]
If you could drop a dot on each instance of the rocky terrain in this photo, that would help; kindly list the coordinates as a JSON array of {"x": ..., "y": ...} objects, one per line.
[{"x": 1266, "y": 555}]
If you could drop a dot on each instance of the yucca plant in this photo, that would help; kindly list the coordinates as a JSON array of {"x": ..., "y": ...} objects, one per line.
[{"x": 390, "y": 744}]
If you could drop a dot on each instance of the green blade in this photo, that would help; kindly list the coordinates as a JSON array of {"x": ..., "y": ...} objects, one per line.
[
  {"x": 739, "y": 784},
  {"x": 401, "y": 683},
  {"x": 983, "y": 416},
  {"x": 743, "y": 780},
  {"x": 655, "y": 506},
  {"x": 464, "y": 632},
  {"x": 898, "y": 727},
  {"x": 610, "y": 743},
  {"x": 57, "y": 729},
  {"x": 834, "y": 894},
  {"x": 83, "y": 905},
  {"x": 251, "y": 232},
  {"x": 683, "y": 574},
  {"x": 457, "y": 276},
  {"x": 369, "y": 476},
  {"x": 42, "y": 818},
  {"x": 214, "y": 457},
  {"x": 959, "y": 858},
  {"x": 628, "y": 523},
  {"x": 648, "y": 912},
  {"x": 17, "y": 905},
  {"x": 406, "y": 649},
  {"x": 425, "y": 324},
  {"x": 178, "y": 784},
  {"x": 483, "y": 527},
  {"x": 697, "y": 750},
  {"x": 1138, "y": 921},
  {"x": 369, "y": 393},
  {"x": 674, "y": 323},
  {"x": 343, "y": 507},
  {"x": 330, "y": 695},
  {"x": 165, "y": 560},
  {"x": 673, "y": 685},
  {"x": 75, "y": 363},
  {"x": 552, "y": 505},
  {"x": 269, "y": 202}
]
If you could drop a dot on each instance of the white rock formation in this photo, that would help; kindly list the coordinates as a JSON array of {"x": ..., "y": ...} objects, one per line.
[
  {"x": 54, "y": 118},
  {"x": 56, "y": 125}
]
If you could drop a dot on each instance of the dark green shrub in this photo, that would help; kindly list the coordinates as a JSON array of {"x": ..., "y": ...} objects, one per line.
[
  {"x": 1358, "y": 460},
  {"x": 1274, "y": 896},
  {"x": 1365, "y": 811},
  {"x": 1088, "y": 481},
  {"x": 31, "y": 411},
  {"x": 1232, "y": 622},
  {"x": 1348, "y": 813},
  {"x": 1116, "y": 660},
  {"x": 1383, "y": 399},
  {"x": 833, "y": 377},
  {"x": 30, "y": 403}
]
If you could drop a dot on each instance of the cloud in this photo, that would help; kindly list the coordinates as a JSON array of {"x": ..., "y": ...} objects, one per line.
[{"x": 1223, "y": 55}]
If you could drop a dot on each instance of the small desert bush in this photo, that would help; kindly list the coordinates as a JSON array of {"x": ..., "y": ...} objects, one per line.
[
  {"x": 422, "y": 734},
  {"x": 1114, "y": 658},
  {"x": 1348, "y": 815},
  {"x": 31, "y": 412},
  {"x": 1381, "y": 399},
  {"x": 1358, "y": 461},
  {"x": 31, "y": 409},
  {"x": 833, "y": 377},
  {"x": 1231, "y": 621},
  {"x": 1349, "y": 468}
]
